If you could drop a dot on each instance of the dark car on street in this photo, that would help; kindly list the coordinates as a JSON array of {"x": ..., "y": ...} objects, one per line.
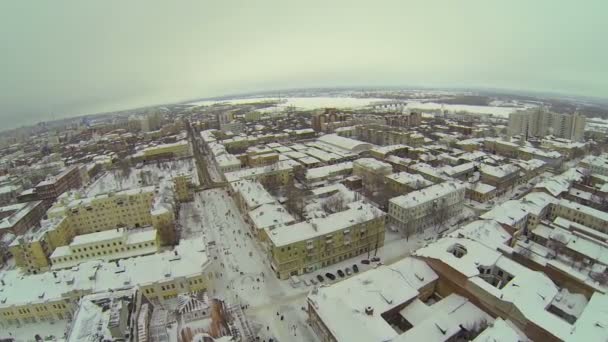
[
  {"x": 330, "y": 276},
  {"x": 355, "y": 268},
  {"x": 320, "y": 278},
  {"x": 340, "y": 273}
]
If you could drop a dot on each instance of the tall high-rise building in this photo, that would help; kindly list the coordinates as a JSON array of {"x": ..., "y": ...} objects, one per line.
[{"x": 539, "y": 123}]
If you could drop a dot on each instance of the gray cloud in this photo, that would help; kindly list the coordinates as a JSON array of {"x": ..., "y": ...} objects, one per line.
[{"x": 64, "y": 58}]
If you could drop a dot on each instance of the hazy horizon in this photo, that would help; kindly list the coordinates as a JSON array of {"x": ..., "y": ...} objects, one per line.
[{"x": 71, "y": 58}]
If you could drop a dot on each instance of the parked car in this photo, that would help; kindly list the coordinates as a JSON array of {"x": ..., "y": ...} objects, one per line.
[
  {"x": 340, "y": 273},
  {"x": 375, "y": 259},
  {"x": 306, "y": 282},
  {"x": 365, "y": 262},
  {"x": 295, "y": 281},
  {"x": 320, "y": 278},
  {"x": 330, "y": 276},
  {"x": 348, "y": 271},
  {"x": 355, "y": 268},
  {"x": 313, "y": 281}
]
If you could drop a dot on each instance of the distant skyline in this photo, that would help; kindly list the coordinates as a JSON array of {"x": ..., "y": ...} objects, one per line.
[{"x": 69, "y": 58}]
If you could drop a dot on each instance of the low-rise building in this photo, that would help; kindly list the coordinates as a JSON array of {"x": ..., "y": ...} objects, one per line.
[
  {"x": 18, "y": 218},
  {"x": 480, "y": 192},
  {"x": 502, "y": 177},
  {"x": 403, "y": 182},
  {"x": 307, "y": 246},
  {"x": 417, "y": 210},
  {"x": 108, "y": 245},
  {"x": 596, "y": 164},
  {"x": 504, "y": 288},
  {"x": 52, "y": 187},
  {"x": 323, "y": 173},
  {"x": 159, "y": 277}
]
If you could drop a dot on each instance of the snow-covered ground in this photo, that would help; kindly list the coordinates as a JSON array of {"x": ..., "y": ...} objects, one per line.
[
  {"x": 454, "y": 108},
  {"x": 27, "y": 332},
  {"x": 304, "y": 103},
  {"x": 115, "y": 180},
  {"x": 307, "y": 103}
]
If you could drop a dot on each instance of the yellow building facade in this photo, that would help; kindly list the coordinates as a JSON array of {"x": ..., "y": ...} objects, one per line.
[{"x": 305, "y": 247}]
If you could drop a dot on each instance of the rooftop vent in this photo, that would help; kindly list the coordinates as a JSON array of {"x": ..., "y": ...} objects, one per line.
[{"x": 369, "y": 311}]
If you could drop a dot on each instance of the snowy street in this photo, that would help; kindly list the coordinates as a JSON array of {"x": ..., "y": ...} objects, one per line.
[{"x": 243, "y": 274}]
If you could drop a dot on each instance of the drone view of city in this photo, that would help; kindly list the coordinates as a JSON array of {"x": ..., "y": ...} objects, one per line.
[{"x": 305, "y": 172}]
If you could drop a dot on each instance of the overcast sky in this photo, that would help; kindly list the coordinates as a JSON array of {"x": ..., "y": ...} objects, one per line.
[{"x": 64, "y": 58}]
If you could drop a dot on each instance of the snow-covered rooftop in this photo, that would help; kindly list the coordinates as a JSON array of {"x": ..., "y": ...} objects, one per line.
[
  {"x": 342, "y": 305},
  {"x": 95, "y": 276},
  {"x": 327, "y": 171},
  {"x": 252, "y": 192},
  {"x": 349, "y": 144},
  {"x": 357, "y": 212},
  {"x": 530, "y": 291},
  {"x": 412, "y": 180},
  {"x": 488, "y": 232},
  {"x": 425, "y": 195},
  {"x": 270, "y": 215}
]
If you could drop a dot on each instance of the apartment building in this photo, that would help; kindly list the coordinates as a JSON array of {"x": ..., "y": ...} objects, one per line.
[
  {"x": 262, "y": 159},
  {"x": 596, "y": 164},
  {"x": 68, "y": 218},
  {"x": 581, "y": 214},
  {"x": 552, "y": 159},
  {"x": 307, "y": 246},
  {"x": 503, "y": 177},
  {"x": 105, "y": 316},
  {"x": 127, "y": 208},
  {"x": 372, "y": 172},
  {"x": 31, "y": 250},
  {"x": 505, "y": 288},
  {"x": 387, "y": 135},
  {"x": 405, "y": 120},
  {"x": 480, "y": 192},
  {"x": 160, "y": 277},
  {"x": 278, "y": 174},
  {"x": 320, "y": 174},
  {"x": 572, "y": 254},
  {"x": 404, "y": 182},
  {"x": 52, "y": 187},
  {"x": 108, "y": 245},
  {"x": 417, "y": 210},
  {"x": 178, "y": 149},
  {"x": 18, "y": 218},
  {"x": 522, "y": 215},
  {"x": 504, "y": 147},
  {"x": 182, "y": 187},
  {"x": 346, "y": 310},
  {"x": 568, "y": 148},
  {"x": 9, "y": 192},
  {"x": 540, "y": 123}
]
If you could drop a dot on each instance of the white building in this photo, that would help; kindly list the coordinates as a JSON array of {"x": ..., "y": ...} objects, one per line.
[
  {"x": 596, "y": 164},
  {"x": 417, "y": 210},
  {"x": 106, "y": 245},
  {"x": 539, "y": 123}
]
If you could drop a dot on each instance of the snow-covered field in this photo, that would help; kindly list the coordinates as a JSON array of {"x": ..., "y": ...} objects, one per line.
[
  {"x": 453, "y": 108},
  {"x": 307, "y": 103},
  {"x": 302, "y": 102}
]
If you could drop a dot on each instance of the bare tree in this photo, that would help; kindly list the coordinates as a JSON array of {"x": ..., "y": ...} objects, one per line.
[
  {"x": 377, "y": 189},
  {"x": 295, "y": 200},
  {"x": 441, "y": 214},
  {"x": 124, "y": 166},
  {"x": 334, "y": 203}
]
